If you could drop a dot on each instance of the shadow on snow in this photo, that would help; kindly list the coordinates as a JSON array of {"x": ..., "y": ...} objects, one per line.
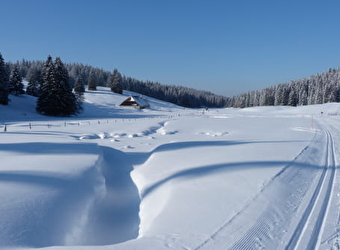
[{"x": 115, "y": 218}]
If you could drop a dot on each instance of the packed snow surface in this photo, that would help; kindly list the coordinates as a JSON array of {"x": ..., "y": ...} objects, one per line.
[{"x": 168, "y": 177}]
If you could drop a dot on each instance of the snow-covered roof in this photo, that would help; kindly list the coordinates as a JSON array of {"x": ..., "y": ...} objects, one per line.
[{"x": 135, "y": 101}]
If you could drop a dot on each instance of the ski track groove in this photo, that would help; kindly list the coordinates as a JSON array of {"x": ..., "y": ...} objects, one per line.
[
  {"x": 243, "y": 244},
  {"x": 265, "y": 234},
  {"x": 331, "y": 239},
  {"x": 318, "y": 230},
  {"x": 321, "y": 196}
]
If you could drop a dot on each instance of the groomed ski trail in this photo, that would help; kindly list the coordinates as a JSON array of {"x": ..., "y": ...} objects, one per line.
[
  {"x": 331, "y": 236},
  {"x": 282, "y": 217},
  {"x": 309, "y": 229}
]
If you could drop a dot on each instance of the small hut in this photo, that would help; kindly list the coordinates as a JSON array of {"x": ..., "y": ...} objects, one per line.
[{"x": 135, "y": 102}]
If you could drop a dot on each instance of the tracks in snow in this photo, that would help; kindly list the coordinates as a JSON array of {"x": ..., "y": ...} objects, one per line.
[
  {"x": 293, "y": 210},
  {"x": 308, "y": 232}
]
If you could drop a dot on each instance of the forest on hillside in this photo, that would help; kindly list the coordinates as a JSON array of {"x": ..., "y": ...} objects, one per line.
[
  {"x": 183, "y": 96},
  {"x": 316, "y": 89}
]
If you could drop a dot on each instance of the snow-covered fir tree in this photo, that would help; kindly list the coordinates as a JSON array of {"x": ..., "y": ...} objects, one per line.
[
  {"x": 67, "y": 99},
  {"x": 3, "y": 82},
  {"x": 79, "y": 90},
  {"x": 92, "y": 84},
  {"x": 79, "y": 86},
  {"x": 34, "y": 78},
  {"x": 16, "y": 86},
  {"x": 33, "y": 88},
  {"x": 116, "y": 82},
  {"x": 56, "y": 97},
  {"x": 46, "y": 85},
  {"x": 292, "y": 98}
]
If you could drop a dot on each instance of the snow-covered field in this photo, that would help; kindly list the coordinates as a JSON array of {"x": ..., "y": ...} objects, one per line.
[{"x": 168, "y": 177}]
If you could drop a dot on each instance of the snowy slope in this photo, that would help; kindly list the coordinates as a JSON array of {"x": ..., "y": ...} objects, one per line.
[{"x": 168, "y": 177}]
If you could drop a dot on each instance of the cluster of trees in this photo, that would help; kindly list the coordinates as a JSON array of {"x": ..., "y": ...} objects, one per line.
[
  {"x": 93, "y": 77},
  {"x": 4, "y": 88},
  {"x": 183, "y": 96},
  {"x": 316, "y": 89},
  {"x": 56, "y": 97},
  {"x": 10, "y": 82},
  {"x": 50, "y": 83}
]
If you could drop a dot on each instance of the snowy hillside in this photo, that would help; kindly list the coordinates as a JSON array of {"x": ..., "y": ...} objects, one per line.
[{"x": 168, "y": 177}]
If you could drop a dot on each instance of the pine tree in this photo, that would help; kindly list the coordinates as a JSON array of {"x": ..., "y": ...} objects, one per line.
[
  {"x": 79, "y": 85},
  {"x": 3, "y": 82},
  {"x": 116, "y": 82},
  {"x": 66, "y": 99},
  {"x": 56, "y": 97},
  {"x": 292, "y": 98},
  {"x": 15, "y": 82},
  {"x": 34, "y": 78},
  {"x": 303, "y": 97},
  {"x": 47, "y": 82},
  {"x": 92, "y": 85},
  {"x": 79, "y": 90},
  {"x": 33, "y": 88}
]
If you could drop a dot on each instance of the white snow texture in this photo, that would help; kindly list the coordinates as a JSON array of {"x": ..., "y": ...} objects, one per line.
[{"x": 168, "y": 177}]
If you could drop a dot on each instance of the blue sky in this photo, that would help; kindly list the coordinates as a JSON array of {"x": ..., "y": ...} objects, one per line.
[{"x": 224, "y": 46}]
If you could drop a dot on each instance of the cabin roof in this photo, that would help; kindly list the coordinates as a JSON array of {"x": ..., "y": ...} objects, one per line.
[{"x": 135, "y": 101}]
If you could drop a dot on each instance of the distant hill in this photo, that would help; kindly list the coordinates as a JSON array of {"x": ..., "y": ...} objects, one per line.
[
  {"x": 100, "y": 104},
  {"x": 183, "y": 96},
  {"x": 316, "y": 89}
]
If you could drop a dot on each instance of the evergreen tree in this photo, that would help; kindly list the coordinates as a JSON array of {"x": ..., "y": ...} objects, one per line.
[
  {"x": 79, "y": 85},
  {"x": 303, "y": 97},
  {"x": 92, "y": 85},
  {"x": 56, "y": 97},
  {"x": 116, "y": 82},
  {"x": 34, "y": 78},
  {"x": 15, "y": 82},
  {"x": 33, "y": 88},
  {"x": 66, "y": 99},
  {"x": 3, "y": 82},
  {"x": 47, "y": 82},
  {"x": 292, "y": 98},
  {"x": 79, "y": 90}
]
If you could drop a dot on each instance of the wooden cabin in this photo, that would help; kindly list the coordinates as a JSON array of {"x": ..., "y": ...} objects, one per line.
[{"x": 135, "y": 102}]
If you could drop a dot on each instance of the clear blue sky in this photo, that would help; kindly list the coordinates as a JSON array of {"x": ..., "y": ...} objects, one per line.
[{"x": 225, "y": 46}]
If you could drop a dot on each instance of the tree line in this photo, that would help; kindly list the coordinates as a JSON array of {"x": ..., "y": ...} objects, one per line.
[
  {"x": 93, "y": 77},
  {"x": 56, "y": 97},
  {"x": 316, "y": 89}
]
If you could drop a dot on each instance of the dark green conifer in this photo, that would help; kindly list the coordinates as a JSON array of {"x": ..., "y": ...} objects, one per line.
[
  {"x": 15, "y": 82},
  {"x": 116, "y": 82},
  {"x": 56, "y": 97},
  {"x": 3, "y": 82}
]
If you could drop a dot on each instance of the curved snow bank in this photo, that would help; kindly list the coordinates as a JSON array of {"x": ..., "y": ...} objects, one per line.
[
  {"x": 189, "y": 188},
  {"x": 47, "y": 194}
]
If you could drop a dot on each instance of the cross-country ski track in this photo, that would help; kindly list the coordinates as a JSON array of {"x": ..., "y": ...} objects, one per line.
[{"x": 303, "y": 219}]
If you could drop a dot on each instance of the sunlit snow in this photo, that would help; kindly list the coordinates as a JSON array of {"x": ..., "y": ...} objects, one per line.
[{"x": 168, "y": 177}]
